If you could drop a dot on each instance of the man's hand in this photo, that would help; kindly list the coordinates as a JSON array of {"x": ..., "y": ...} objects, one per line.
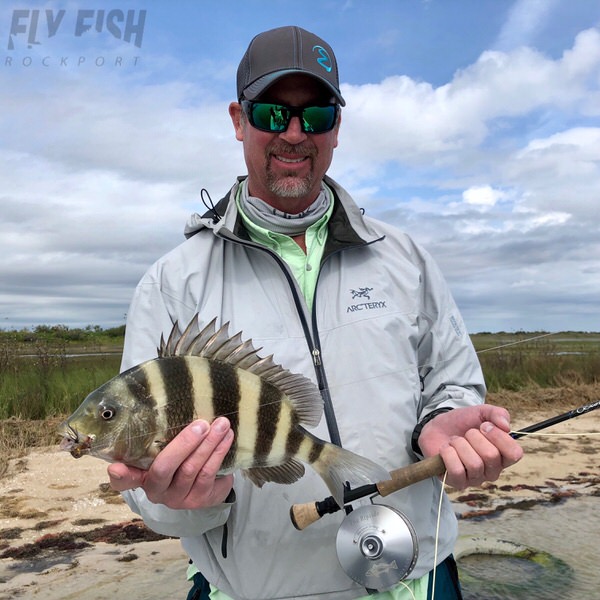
[
  {"x": 184, "y": 474},
  {"x": 474, "y": 443}
]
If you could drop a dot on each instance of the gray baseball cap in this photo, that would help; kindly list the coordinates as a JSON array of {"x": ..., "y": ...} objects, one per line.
[{"x": 283, "y": 51}]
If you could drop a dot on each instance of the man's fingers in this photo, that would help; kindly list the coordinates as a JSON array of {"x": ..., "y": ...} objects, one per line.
[
  {"x": 509, "y": 449},
  {"x": 187, "y": 465},
  {"x": 167, "y": 463},
  {"x": 456, "y": 475},
  {"x": 190, "y": 464},
  {"x": 479, "y": 456},
  {"x": 124, "y": 478}
]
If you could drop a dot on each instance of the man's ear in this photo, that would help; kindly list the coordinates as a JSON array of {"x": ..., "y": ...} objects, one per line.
[{"x": 237, "y": 118}]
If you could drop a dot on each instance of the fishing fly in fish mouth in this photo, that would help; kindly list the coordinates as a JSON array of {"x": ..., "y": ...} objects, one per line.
[{"x": 205, "y": 374}]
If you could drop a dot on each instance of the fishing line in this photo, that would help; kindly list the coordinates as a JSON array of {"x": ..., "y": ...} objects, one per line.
[
  {"x": 537, "y": 337},
  {"x": 437, "y": 535},
  {"x": 537, "y": 434},
  {"x": 406, "y": 586},
  {"x": 437, "y": 363}
]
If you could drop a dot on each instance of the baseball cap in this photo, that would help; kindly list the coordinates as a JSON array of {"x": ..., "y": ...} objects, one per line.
[{"x": 283, "y": 51}]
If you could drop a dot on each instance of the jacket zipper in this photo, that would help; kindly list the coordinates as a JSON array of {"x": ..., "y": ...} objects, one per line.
[
  {"x": 311, "y": 335},
  {"x": 328, "y": 409}
]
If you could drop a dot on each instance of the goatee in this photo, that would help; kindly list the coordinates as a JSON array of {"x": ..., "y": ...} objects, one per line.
[{"x": 290, "y": 185}]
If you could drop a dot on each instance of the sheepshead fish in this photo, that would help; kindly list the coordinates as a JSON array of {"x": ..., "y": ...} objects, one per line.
[{"x": 206, "y": 374}]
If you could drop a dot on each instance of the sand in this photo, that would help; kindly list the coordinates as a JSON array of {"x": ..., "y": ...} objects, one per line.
[{"x": 64, "y": 534}]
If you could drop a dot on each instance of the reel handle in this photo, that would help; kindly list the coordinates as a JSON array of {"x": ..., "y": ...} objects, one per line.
[{"x": 303, "y": 515}]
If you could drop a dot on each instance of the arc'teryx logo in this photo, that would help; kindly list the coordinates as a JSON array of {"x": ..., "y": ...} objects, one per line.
[
  {"x": 364, "y": 292},
  {"x": 324, "y": 59},
  {"x": 361, "y": 293}
]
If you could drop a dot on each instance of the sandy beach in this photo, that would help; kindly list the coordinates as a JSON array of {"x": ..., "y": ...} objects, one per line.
[{"x": 64, "y": 534}]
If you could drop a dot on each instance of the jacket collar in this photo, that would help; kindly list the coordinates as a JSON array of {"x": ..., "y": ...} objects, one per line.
[{"x": 347, "y": 226}]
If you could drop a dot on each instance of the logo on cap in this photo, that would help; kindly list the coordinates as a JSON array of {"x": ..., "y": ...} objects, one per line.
[{"x": 324, "y": 60}]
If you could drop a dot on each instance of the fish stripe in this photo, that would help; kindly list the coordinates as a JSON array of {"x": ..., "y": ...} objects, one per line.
[
  {"x": 270, "y": 405},
  {"x": 138, "y": 385},
  {"x": 315, "y": 452},
  {"x": 178, "y": 387},
  {"x": 295, "y": 440},
  {"x": 281, "y": 434},
  {"x": 248, "y": 415},
  {"x": 200, "y": 373},
  {"x": 155, "y": 390},
  {"x": 226, "y": 400}
]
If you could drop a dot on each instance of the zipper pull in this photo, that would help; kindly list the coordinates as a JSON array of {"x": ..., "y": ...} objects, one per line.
[{"x": 316, "y": 357}]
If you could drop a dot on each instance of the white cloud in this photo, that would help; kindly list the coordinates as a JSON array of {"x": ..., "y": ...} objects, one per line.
[
  {"x": 525, "y": 19},
  {"x": 408, "y": 121},
  {"x": 560, "y": 172},
  {"x": 483, "y": 196}
]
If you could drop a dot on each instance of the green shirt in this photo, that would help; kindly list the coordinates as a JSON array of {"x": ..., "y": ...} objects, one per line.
[
  {"x": 305, "y": 267},
  {"x": 413, "y": 589}
]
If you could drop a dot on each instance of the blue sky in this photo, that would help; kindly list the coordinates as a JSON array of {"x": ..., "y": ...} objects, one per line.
[{"x": 474, "y": 125}]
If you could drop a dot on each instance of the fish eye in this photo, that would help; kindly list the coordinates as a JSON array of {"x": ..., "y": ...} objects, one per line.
[{"x": 107, "y": 413}]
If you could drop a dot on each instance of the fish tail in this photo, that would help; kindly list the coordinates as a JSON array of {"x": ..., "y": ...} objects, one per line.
[{"x": 338, "y": 466}]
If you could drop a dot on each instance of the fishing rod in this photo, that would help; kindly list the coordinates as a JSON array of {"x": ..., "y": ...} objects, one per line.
[{"x": 303, "y": 515}]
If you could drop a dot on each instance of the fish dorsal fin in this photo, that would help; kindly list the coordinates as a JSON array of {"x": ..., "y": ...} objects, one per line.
[
  {"x": 216, "y": 344},
  {"x": 167, "y": 348}
]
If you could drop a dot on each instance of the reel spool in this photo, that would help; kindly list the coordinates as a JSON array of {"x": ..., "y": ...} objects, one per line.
[{"x": 376, "y": 546}]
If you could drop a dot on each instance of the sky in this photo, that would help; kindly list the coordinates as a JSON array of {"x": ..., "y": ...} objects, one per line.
[{"x": 473, "y": 125}]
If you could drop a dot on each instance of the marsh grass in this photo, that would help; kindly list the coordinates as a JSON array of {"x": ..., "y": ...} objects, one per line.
[
  {"x": 18, "y": 437},
  {"x": 44, "y": 376},
  {"x": 50, "y": 382},
  {"x": 521, "y": 361}
]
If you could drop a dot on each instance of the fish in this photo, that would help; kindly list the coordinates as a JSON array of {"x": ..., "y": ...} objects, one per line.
[{"x": 203, "y": 374}]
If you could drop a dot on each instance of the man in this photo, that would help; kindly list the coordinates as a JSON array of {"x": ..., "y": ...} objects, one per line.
[{"x": 354, "y": 304}]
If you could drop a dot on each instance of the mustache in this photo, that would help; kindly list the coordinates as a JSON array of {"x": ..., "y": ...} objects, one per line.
[{"x": 303, "y": 149}]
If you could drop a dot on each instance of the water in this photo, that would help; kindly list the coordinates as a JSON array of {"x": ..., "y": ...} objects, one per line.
[{"x": 569, "y": 532}]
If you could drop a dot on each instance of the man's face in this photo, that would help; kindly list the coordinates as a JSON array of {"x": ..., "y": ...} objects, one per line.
[{"x": 286, "y": 169}]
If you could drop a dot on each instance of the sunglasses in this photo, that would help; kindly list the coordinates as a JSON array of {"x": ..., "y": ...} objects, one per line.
[{"x": 275, "y": 118}]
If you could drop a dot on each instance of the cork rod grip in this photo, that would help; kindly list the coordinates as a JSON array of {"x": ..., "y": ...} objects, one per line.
[{"x": 405, "y": 476}]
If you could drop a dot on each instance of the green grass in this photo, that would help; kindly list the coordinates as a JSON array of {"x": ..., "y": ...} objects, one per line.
[
  {"x": 519, "y": 361},
  {"x": 47, "y": 372},
  {"x": 34, "y": 389}
]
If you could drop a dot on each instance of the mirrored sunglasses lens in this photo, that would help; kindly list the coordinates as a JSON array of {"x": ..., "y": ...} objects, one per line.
[
  {"x": 270, "y": 117},
  {"x": 317, "y": 119}
]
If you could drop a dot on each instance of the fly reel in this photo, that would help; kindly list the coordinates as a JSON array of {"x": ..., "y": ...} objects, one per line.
[{"x": 376, "y": 546}]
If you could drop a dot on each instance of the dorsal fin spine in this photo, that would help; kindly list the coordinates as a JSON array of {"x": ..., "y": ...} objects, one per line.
[{"x": 217, "y": 345}]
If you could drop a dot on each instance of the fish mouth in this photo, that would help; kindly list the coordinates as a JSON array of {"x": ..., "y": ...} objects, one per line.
[{"x": 76, "y": 444}]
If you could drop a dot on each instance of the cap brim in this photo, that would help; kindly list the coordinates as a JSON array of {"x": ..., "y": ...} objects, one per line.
[{"x": 262, "y": 84}]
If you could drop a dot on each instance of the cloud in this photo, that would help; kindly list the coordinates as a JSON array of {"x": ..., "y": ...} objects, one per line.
[
  {"x": 99, "y": 175},
  {"x": 483, "y": 196},
  {"x": 422, "y": 123},
  {"x": 525, "y": 19}
]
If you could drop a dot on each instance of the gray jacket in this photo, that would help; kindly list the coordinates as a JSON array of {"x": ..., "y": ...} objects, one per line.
[{"x": 386, "y": 344}]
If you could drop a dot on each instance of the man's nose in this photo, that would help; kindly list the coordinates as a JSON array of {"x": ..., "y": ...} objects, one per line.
[{"x": 293, "y": 134}]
